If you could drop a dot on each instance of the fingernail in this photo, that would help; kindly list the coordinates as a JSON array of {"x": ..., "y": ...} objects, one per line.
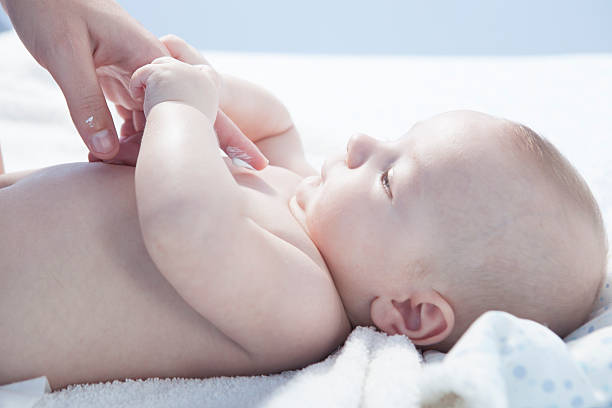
[{"x": 101, "y": 141}]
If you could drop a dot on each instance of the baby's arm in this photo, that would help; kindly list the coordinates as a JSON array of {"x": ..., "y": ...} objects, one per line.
[
  {"x": 179, "y": 169},
  {"x": 266, "y": 121},
  {"x": 196, "y": 230},
  {"x": 259, "y": 114}
]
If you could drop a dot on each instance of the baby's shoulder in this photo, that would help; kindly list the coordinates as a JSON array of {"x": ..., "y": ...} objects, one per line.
[
  {"x": 264, "y": 283},
  {"x": 308, "y": 320}
]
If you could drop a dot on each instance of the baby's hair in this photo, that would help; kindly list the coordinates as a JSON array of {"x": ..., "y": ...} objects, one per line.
[
  {"x": 566, "y": 180},
  {"x": 526, "y": 262}
]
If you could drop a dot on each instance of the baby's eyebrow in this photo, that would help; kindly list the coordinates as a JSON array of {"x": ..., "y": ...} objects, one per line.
[
  {"x": 394, "y": 182},
  {"x": 409, "y": 168}
]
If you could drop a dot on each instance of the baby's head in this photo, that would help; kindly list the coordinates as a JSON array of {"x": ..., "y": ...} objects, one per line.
[{"x": 464, "y": 213}]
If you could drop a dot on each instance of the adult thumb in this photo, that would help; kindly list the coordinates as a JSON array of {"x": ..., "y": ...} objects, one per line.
[{"x": 86, "y": 103}]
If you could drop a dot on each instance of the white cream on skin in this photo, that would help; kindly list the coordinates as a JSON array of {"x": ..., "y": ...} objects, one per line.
[
  {"x": 241, "y": 163},
  {"x": 236, "y": 152},
  {"x": 239, "y": 157}
]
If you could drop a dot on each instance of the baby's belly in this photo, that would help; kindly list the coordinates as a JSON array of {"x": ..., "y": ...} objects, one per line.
[{"x": 80, "y": 299}]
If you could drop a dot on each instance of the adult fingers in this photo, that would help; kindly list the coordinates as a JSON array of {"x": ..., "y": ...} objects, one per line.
[
  {"x": 91, "y": 158},
  {"x": 135, "y": 138},
  {"x": 136, "y": 120},
  {"x": 127, "y": 129},
  {"x": 129, "y": 149},
  {"x": 182, "y": 51},
  {"x": 235, "y": 144},
  {"x": 73, "y": 69},
  {"x": 128, "y": 153},
  {"x": 116, "y": 90}
]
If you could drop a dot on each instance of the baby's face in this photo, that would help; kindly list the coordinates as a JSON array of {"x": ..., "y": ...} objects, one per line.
[{"x": 377, "y": 212}]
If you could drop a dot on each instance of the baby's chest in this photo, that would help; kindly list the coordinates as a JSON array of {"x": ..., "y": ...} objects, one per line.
[{"x": 267, "y": 193}]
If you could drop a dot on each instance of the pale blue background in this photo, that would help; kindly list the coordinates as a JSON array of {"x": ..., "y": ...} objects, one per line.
[{"x": 437, "y": 27}]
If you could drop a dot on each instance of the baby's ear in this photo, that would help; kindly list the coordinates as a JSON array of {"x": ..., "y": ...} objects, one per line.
[{"x": 426, "y": 317}]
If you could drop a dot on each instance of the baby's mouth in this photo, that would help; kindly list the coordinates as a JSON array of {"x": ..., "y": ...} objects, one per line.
[{"x": 305, "y": 189}]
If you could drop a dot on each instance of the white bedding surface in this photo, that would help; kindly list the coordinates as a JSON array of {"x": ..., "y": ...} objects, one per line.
[{"x": 567, "y": 99}]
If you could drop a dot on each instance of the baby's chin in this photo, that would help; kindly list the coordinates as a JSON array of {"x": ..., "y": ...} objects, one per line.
[
  {"x": 305, "y": 190},
  {"x": 301, "y": 199}
]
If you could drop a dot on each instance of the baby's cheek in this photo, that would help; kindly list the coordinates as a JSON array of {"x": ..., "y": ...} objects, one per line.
[
  {"x": 324, "y": 218},
  {"x": 337, "y": 223}
]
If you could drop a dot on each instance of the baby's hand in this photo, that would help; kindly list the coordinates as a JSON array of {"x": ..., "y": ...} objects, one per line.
[{"x": 168, "y": 79}]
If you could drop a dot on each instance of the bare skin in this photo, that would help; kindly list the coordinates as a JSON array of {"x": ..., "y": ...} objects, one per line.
[
  {"x": 83, "y": 46},
  {"x": 195, "y": 271},
  {"x": 85, "y": 302}
]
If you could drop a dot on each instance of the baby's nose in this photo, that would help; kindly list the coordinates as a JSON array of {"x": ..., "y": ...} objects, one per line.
[{"x": 358, "y": 149}]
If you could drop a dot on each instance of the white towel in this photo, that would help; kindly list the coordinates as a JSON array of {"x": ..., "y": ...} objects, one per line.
[{"x": 501, "y": 361}]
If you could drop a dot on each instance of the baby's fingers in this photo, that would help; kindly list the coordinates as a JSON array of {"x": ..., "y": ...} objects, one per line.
[
  {"x": 236, "y": 144},
  {"x": 138, "y": 82}
]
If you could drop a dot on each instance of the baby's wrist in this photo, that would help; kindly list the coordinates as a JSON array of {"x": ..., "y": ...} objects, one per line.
[{"x": 205, "y": 111}]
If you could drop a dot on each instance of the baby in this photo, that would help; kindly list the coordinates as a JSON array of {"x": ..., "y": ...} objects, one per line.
[{"x": 201, "y": 268}]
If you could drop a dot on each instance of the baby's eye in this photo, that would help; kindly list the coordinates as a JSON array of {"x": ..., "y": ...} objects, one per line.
[{"x": 384, "y": 178}]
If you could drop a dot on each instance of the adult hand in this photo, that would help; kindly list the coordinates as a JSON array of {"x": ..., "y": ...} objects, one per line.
[
  {"x": 91, "y": 48},
  {"x": 129, "y": 138},
  {"x": 231, "y": 139}
]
